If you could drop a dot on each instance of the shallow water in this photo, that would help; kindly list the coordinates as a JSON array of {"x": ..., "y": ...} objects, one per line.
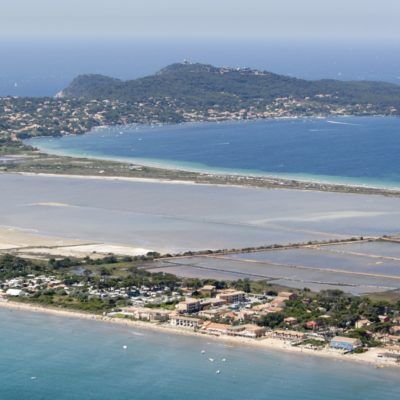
[
  {"x": 356, "y": 150},
  {"x": 291, "y": 271},
  {"x": 175, "y": 217},
  {"x": 77, "y": 359},
  {"x": 327, "y": 259}
]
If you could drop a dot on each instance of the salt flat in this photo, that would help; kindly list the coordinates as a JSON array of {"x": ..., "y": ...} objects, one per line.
[
  {"x": 315, "y": 267},
  {"x": 174, "y": 217}
]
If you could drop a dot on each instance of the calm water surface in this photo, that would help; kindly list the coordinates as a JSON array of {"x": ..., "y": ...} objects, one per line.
[
  {"x": 174, "y": 217},
  {"x": 47, "y": 357},
  {"x": 353, "y": 150}
]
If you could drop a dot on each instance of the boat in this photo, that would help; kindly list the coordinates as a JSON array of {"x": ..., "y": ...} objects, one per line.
[
  {"x": 211, "y": 359},
  {"x": 217, "y": 371}
]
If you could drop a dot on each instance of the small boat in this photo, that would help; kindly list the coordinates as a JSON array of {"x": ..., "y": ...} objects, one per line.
[
  {"x": 203, "y": 352},
  {"x": 217, "y": 371},
  {"x": 125, "y": 347},
  {"x": 211, "y": 359},
  {"x": 223, "y": 360}
]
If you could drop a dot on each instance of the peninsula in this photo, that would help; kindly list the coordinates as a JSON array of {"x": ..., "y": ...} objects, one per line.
[
  {"x": 118, "y": 290},
  {"x": 186, "y": 92},
  {"x": 182, "y": 92}
]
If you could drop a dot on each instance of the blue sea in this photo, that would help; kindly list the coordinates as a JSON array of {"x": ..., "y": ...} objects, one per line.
[
  {"x": 349, "y": 150},
  {"x": 43, "y": 67},
  {"x": 48, "y": 357}
]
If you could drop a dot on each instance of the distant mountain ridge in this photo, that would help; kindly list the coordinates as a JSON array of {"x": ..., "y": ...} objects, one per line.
[
  {"x": 186, "y": 92},
  {"x": 200, "y": 86}
]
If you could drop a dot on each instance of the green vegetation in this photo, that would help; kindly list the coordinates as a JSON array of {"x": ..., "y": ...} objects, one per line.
[
  {"x": 189, "y": 92},
  {"x": 98, "y": 275},
  {"x": 273, "y": 320},
  {"x": 104, "y": 284},
  {"x": 199, "y": 87}
]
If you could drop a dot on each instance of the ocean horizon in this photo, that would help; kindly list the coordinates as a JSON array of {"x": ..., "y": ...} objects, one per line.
[{"x": 44, "y": 66}]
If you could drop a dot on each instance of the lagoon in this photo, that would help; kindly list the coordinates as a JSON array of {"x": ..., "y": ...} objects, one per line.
[{"x": 175, "y": 217}]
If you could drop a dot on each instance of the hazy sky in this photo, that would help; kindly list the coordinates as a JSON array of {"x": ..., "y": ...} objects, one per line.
[{"x": 320, "y": 19}]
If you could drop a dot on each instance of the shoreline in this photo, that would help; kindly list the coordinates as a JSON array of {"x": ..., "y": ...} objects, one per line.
[
  {"x": 296, "y": 180},
  {"x": 238, "y": 181},
  {"x": 228, "y": 173},
  {"x": 277, "y": 345}
]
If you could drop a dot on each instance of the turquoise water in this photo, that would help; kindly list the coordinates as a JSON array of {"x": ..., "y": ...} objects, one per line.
[
  {"x": 350, "y": 150},
  {"x": 47, "y": 357}
]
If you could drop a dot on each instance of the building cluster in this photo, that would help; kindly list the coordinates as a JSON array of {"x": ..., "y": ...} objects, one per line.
[
  {"x": 26, "y": 117},
  {"x": 231, "y": 312},
  {"x": 282, "y": 107},
  {"x": 29, "y": 285},
  {"x": 139, "y": 296},
  {"x": 221, "y": 312}
]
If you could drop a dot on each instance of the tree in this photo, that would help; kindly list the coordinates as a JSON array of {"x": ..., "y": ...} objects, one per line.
[{"x": 272, "y": 320}]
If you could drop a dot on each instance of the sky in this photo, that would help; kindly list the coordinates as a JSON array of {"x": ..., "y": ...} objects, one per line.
[{"x": 208, "y": 19}]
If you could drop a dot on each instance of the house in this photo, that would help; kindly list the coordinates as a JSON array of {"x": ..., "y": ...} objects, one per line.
[
  {"x": 231, "y": 315},
  {"x": 278, "y": 302},
  {"x": 187, "y": 291},
  {"x": 247, "y": 314},
  {"x": 214, "y": 328},
  {"x": 287, "y": 295},
  {"x": 312, "y": 325},
  {"x": 290, "y": 320},
  {"x": 395, "y": 330},
  {"x": 362, "y": 323},
  {"x": 383, "y": 318},
  {"x": 273, "y": 310},
  {"x": 189, "y": 306},
  {"x": 207, "y": 290},
  {"x": 211, "y": 303},
  {"x": 145, "y": 314},
  {"x": 211, "y": 313},
  {"x": 345, "y": 343},
  {"x": 184, "y": 322},
  {"x": 386, "y": 338},
  {"x": 15, "y": 292},
  {"x": 231, "y": 296},
  {"x": 248, "y": 330},
  {"x": 261, "y": 307}
]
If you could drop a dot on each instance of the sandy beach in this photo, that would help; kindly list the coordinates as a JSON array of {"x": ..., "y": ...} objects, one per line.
[
  {"x": 28, "y": 243},
  {"x": 236, "y": 180},
  {"x": 120, "y": 178},
  {"x": 267, "y": 343}
]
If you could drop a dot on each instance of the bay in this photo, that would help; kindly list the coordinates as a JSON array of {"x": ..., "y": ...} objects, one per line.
[{"x": 345, "y": 150}]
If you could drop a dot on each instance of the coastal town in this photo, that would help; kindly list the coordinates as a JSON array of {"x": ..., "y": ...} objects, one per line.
[
  {"x": 120, "y": 289},
  {"x": 21, "y": 118},
  {"x": 329, "y": 322},
  {"x": 199, "y": 200}
]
